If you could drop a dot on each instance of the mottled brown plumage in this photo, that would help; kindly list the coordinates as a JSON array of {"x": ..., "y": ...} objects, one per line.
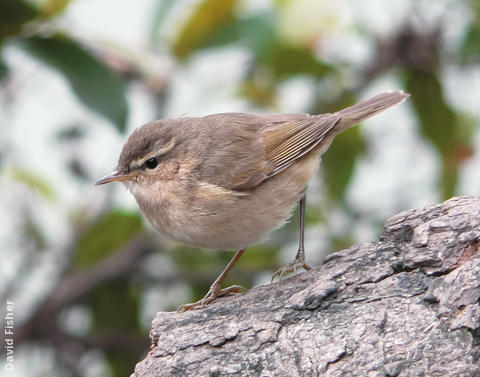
[{"x": 223, "y": 181}]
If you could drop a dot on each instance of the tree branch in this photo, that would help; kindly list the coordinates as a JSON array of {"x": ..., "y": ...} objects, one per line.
[{"x": 406, "y": 305}]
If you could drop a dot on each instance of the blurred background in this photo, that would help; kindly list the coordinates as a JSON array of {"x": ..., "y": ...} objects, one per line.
[{"x": 85, "y": 271}]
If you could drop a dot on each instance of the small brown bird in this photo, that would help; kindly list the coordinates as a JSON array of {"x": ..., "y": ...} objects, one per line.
[{"x": 223, "y": 181}]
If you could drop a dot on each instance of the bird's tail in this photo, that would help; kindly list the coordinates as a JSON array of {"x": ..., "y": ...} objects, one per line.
[{"x": 365, "y": 109}]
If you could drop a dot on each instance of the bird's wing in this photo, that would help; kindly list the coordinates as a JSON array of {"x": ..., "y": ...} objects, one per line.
[
  {"x": 246, "y": 149},
  {"x": 286, "y": 139},
  {"x": 259, "y": 147},
  {"x": 287, "y": 142},
  {"x": 231, "y": 150}
]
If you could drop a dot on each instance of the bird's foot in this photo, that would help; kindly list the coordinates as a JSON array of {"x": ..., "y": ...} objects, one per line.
[
  {"x": 293, "y": 266},
  {"x": 214, "y": 292}
]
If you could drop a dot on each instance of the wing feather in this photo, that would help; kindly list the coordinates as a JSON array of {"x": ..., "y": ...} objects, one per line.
[
  {"x": 288, "y": 137},
  {"x": 289, "y": 141}
]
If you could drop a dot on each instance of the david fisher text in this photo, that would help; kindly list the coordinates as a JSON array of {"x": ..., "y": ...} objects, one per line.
[{"x": 9, "y": 323}]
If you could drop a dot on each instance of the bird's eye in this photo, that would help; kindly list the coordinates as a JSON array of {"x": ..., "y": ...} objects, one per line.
[{"x": 151, "y": 163}]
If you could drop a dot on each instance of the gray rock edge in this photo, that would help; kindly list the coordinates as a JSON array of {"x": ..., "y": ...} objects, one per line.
[{"x": 407, "y": 305}]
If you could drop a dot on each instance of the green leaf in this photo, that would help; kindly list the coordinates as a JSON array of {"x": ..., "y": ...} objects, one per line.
[
  {"x": 160, "y": 14},
  {"x": 209, "y": 18},
  {"x": 53, "y": 7},
  {"x": 188, "y": 258},
  {"x": 3, "y": 68},
  {"x": 32, "y": 233},
  {"x": 115, "y": 309},
  {"x": 106, "y": 300},
  {"x": 440, "y": 124},
  {"x": 261, "y": 92},
  {"x": 341, "y": 242},
  {"x": 34, "y": 181},
  {"x": 281, "y": 3},
  {"x": 107, "y": 236},
  {"x": 91, "y": 80},
  {"x": 259, "y": 257},
  {"x": 13, "y": 15},
  {"x": 256, "y": 32},
  {"x": 338, "y": 162},
  {"x": 470, "y": 47},
  {"x": 286, "y": 61},
  {"x": 314, "y": 214}
]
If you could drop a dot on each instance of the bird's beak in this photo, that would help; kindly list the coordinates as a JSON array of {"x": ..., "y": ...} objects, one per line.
[{"x": 112, "y": 177}]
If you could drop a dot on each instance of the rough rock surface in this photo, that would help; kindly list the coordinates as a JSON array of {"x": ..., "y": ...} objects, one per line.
[{"x": 408, "y": 305}]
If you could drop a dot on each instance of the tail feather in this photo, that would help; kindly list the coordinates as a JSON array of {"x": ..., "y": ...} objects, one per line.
[
  {"x": 290, "y": 140},
  {"x": 367, "y": 108}
]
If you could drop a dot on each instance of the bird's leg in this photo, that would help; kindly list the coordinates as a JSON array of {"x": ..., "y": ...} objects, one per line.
[
  {"x": 216, "y": 288},
  {"x": 299, "y": 261}
]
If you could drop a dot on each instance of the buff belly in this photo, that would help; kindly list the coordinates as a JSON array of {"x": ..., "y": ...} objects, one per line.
[{"x": 222, "y": 219}]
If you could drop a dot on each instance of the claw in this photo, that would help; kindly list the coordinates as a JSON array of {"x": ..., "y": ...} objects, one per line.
[
  {"x": 214, "y": 292},
  {"x": 216, "y": 288},
  {"x": 293, "y": 266}
]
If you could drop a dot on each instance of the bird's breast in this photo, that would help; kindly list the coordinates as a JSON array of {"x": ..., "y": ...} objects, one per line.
[{"x": 214, "y": 217}]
